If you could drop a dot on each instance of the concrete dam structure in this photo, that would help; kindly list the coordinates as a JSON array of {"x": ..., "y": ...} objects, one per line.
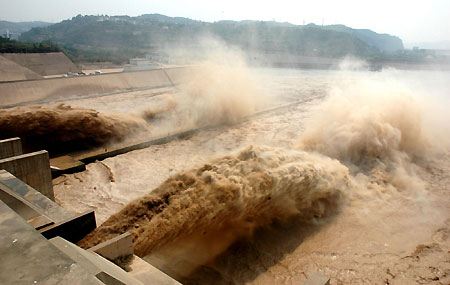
[
  {"x": 28, "y": 211},
  {"x": 51, "y": 89}
]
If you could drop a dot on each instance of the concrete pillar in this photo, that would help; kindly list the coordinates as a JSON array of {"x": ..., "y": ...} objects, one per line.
[
  {"x": 33, "y": 169},
  {"x": 10, "y": 147},
  {"x": 120, "y": 246}
]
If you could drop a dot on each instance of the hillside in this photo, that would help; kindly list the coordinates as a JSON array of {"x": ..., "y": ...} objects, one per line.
[
  {"x": 383, "y": 42},
  {"x": 97, "y": 38}
]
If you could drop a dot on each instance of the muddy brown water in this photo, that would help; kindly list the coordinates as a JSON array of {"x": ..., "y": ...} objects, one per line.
[{"x": 389, "y": 230}]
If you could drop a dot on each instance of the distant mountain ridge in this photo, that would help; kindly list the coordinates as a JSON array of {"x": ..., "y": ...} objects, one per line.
[
  {"x": 167, "y": 19},
  {"x": 20, "y": 27},
  {"x": 383, "y": 42},
  {"x": 125, "y": 36}
]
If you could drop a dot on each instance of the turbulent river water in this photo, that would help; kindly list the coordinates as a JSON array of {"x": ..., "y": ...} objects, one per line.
[{"x": 353, "y": 184}]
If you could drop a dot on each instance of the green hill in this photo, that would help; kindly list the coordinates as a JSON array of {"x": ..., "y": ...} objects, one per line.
[
  {"x": 382, "y": 42},
  {"x": 117, "y": 38}
]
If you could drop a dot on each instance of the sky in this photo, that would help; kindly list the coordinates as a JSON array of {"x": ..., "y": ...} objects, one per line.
[{"x": 411, "y": 20}]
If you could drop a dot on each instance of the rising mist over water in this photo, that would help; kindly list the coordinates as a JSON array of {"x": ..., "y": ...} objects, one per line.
[
  {"x": 251, "y": 151},
  {"x": 360, "y": 155}
]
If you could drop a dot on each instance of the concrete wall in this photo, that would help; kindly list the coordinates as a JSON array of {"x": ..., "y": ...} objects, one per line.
[
  {"x": 33, "y": 169},
  {"x": 10, "y": 147},
  {"x": 60, "y": 88},
  {"x": 51, "y": 63},
  {"x": 11, "y": 71}
]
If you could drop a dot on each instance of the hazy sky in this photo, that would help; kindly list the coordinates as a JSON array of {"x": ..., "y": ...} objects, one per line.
[{"x": 411, "y": 20}]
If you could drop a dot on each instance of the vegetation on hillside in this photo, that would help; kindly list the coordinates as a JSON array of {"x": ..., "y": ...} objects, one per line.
[
  {"x": 104, "y": 38},
  {"x": 12, "y": 46},
  {"x": 118, "y": 38}
]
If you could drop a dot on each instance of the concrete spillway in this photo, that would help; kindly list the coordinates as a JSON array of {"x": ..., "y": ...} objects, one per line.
[{"x": 51, "y": 89}]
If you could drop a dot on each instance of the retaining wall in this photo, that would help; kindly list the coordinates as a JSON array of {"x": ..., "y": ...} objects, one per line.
[
  {"x": 12, "y": 93},
  {"x": 11, "y": 71},
  {"x": 50, "y": 63}
]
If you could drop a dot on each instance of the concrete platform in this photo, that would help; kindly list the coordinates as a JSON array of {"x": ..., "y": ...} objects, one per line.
[
  {"x": 28, "y": 257},
  {"x": 42, "y": 213},
  {"x": 28, "y": 202},
  {"x": 65, "y": 164}
]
